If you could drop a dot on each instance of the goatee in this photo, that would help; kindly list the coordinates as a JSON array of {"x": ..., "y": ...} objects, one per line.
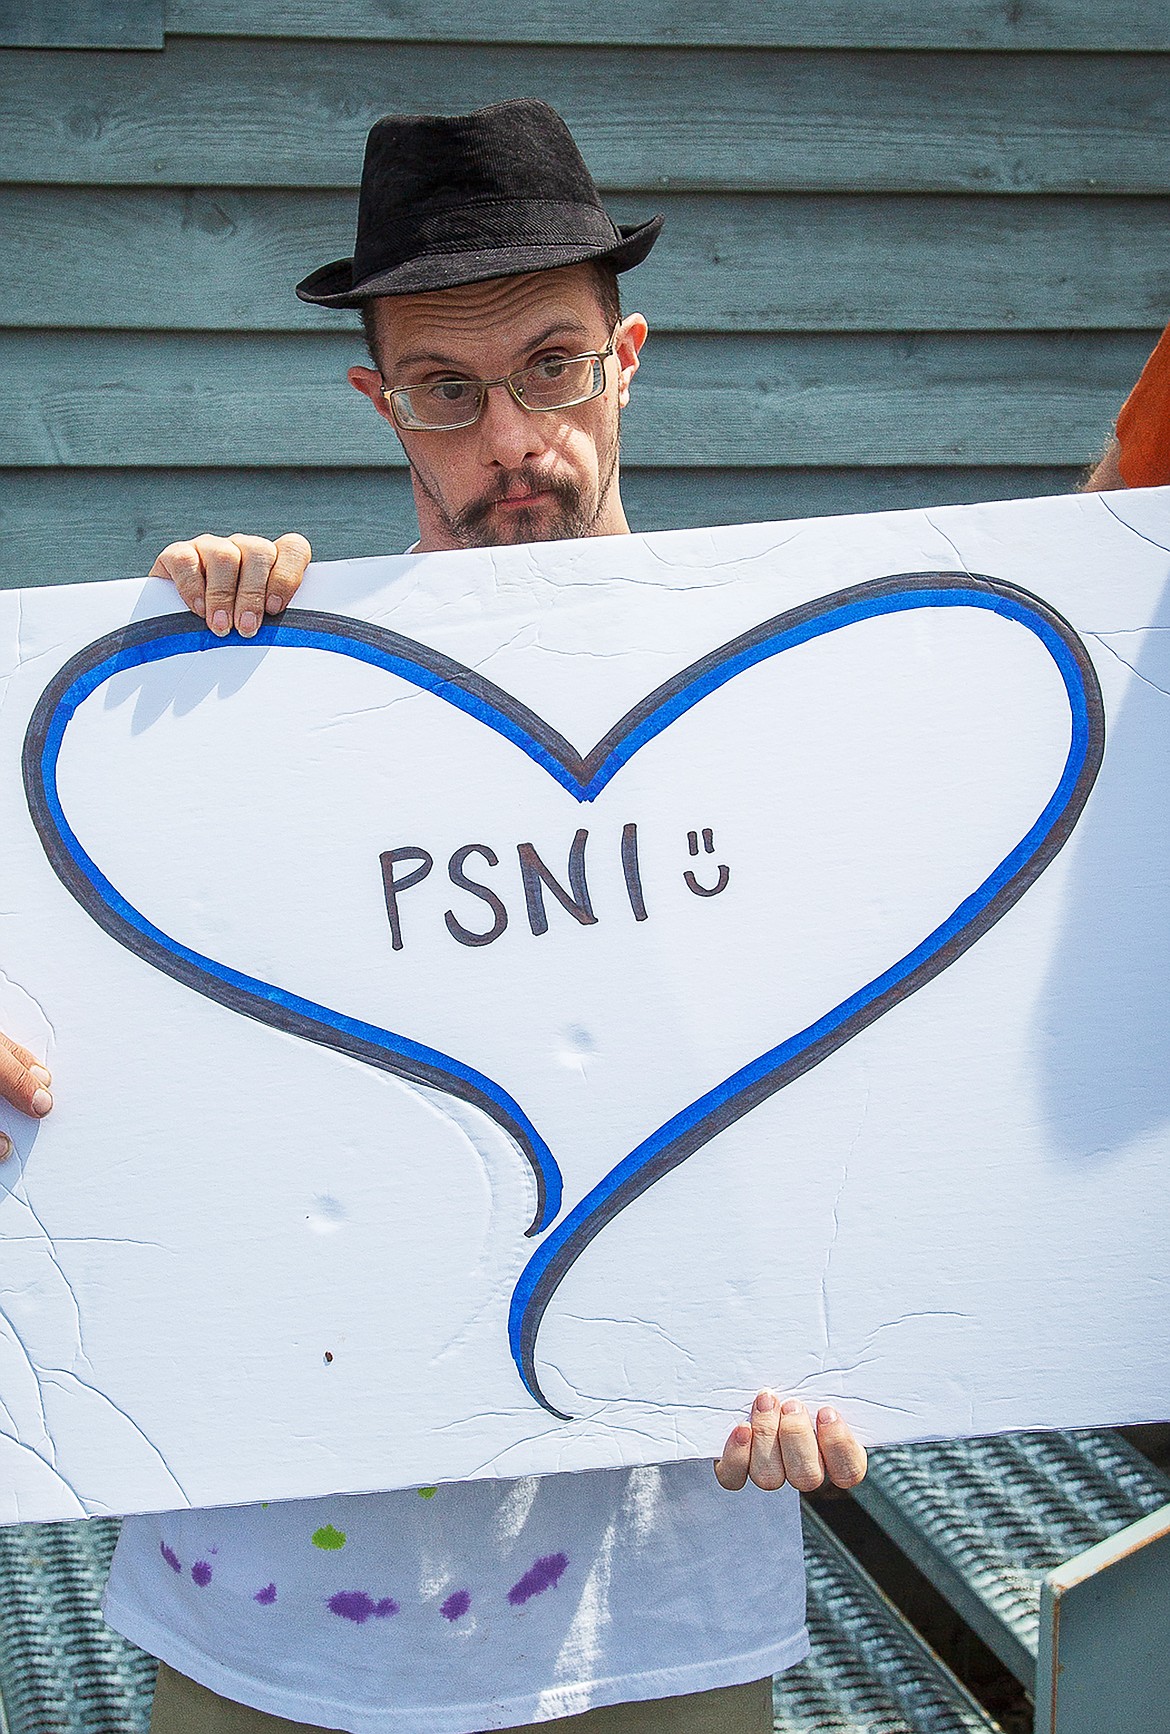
[{"x": 479, "y": 526}]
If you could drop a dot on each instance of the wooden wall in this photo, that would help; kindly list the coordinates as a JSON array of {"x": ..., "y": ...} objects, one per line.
[{"x": 916, "y": 250}]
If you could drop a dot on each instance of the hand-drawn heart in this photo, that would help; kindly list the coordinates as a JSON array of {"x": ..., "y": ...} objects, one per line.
[{"x": 582, "y": 776}]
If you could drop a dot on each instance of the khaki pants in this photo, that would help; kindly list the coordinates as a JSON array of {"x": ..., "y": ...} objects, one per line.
[{"x": 182, "y": 1707}]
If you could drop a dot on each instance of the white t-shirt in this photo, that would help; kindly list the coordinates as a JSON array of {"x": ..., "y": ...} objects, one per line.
[{"x": 477, "y": 1605}]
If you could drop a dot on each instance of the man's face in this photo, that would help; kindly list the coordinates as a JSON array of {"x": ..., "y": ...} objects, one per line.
[{"x": 515, "y": 475}]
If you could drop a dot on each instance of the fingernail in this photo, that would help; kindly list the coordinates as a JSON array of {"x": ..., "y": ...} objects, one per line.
[
  {"x": 274, "y": 604},
  {"x": 40, "y": 1074},
  {"x": 765, "y": 1402},
  {"x": 792, "y": 1407},
  {"x": 742, "y": 1434},
  {"x": 41, "y": 1103},
  {"x": 248, "y": 625},
  {"x": 199, "y": 607},
  {"x": 221, "y": 623},
  {"x": 828, "y": 1416},
  {"x": 5, "y": 1146}
]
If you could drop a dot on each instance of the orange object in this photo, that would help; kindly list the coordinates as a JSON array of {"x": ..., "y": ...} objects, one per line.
[{"x": 1143, "y": 427}]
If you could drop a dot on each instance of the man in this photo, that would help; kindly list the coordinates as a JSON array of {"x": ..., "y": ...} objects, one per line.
[{"x": 486, "y": 272}]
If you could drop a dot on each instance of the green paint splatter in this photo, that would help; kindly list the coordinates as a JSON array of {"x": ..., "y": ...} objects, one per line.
[
  {"x": 329, "y": 1538},
  {"x": 427, "y": 1492},
  {"x": 264, "y": 1504}
]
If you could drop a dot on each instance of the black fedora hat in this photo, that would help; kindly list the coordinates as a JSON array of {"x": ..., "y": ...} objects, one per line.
[{"x": 453, "y": 199}]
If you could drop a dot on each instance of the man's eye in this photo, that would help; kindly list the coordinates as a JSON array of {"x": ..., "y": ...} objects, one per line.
[
  {"x": 450, "y": 390},
  {"x": 551, "y": 368}
]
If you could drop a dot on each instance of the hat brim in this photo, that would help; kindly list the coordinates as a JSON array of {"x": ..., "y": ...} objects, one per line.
[{"x": 333, "y": 285}]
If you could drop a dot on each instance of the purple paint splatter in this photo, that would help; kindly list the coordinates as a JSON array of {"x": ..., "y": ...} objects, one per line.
[
  {"x": 456, "y": 1605},
  {"x": 543, "y": 1574},
  {"x": 170, "y": 1556},
  {"x": 266, "y": 1596},
  {"x": 357, "y": 1606},
  {"x": 201, "y": 1572}
]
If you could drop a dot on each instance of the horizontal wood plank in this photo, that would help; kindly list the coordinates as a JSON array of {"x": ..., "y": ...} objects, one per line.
[
  {"x": 740, "y": 401},
  {"x": 205, "y": 114},
  {"x": 64, "y": 526},
  {"x": 1080, "y": 24},
  {"x": 81, "y": 23},
  {"x": 226, "y": 259}
]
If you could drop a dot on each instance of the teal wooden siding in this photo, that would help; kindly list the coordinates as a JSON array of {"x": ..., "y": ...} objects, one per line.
[{"x": 916, "y": 251}]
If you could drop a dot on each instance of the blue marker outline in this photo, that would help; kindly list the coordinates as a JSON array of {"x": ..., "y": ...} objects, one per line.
[
  {"x": 583, "y": 776},
  {"x": 383, "y": 1048},
  {"x": 696, "y": 1124}
]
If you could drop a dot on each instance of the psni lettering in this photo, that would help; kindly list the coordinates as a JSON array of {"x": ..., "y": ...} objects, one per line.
[{"x": 541, "y": 887}]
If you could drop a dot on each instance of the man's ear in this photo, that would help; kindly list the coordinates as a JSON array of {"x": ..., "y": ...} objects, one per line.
[
  {"x": 369, "y": 382},
  {"x": 631, "y": 335}
]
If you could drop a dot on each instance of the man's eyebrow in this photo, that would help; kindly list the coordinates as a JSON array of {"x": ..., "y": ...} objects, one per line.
[
  {"x": 560, "y": 328},
  {"x": 413, "y": 356}
]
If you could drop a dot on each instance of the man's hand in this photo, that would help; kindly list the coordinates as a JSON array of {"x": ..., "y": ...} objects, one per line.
[
  {"x": 781, "y": 1444},
  {"x": 24, "y": 1082},
  {"x": 235, "y": 580}
]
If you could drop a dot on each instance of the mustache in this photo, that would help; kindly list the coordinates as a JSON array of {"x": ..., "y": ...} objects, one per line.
[{"x": 473, "y": 517}]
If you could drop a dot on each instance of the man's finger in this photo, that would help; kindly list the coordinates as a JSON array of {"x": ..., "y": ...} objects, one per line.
[
  {"x": 845, "y": 1459},
  {"x": 731, "y": 1470},
  {"x": 798, "y": 1447},
  {"x": 39, "y": 1070},
  {"x": 20, "y": 1087},
  {"x": 221, "y": 567},
  {"x": 257, "y": 557},
  {"x": 180, "y": 562},
  {"x": 293, "y": 554},
  {"x": 767, "y": 1470}
]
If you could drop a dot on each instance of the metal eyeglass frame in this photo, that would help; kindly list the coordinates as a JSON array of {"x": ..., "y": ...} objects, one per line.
[{"x": 483, "y": 386}]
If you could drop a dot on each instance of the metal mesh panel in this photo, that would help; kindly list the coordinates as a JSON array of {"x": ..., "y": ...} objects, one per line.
[
  {"x": 1002, "y": 1512},
  {"x": 62, "y": 1669},
  {"x": 869, "y": 1672}
]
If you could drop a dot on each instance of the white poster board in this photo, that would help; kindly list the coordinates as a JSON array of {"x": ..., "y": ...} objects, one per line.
[{"x": 531, "y": 998}]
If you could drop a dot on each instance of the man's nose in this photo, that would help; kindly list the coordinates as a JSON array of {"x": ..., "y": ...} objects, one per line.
[{"x": 509, "y": 434}]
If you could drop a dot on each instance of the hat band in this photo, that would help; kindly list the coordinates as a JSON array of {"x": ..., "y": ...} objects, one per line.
[{"x": 513, "y": 223}]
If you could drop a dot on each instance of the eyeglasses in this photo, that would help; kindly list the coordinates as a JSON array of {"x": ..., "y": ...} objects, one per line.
[{"x": 558, "y": 383}]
